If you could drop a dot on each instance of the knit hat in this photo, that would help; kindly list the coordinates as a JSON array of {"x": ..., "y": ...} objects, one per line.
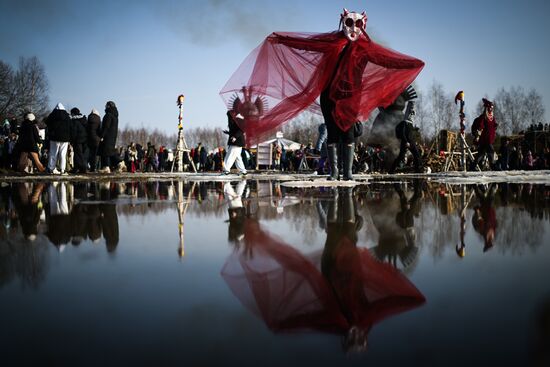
[
  {"x": 30, "y": 116},
  {"x": 75, "y": 111},
  {"x": 95, "y": 112},
  {"x": 60, "y": 107}
]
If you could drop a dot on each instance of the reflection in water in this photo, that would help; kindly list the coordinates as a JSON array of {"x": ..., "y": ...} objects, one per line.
[
  {"x": 396, "y": 220},
  {"x": 344, "y": 261},
  {"x": 70, "y": 221},
  {"x": 235, "y": 211},
  {"x": 484, "y": 219},
  {"x": 341, "y": 289},
  {"x": 23, "y": 258},
  {"x": 393, "y": 217}
]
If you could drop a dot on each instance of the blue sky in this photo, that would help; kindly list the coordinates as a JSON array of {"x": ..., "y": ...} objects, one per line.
[{"x": 143, "y": 54}]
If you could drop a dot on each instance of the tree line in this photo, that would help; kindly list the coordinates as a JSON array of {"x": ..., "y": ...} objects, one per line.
[{"x": 26, "y": 89}]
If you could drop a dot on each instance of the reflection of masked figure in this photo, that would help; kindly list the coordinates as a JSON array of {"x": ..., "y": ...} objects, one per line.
[
  {"x": 394, "y": 220},
  {"x": 484, "y": 220},
  {"x": 344, "y": 290}
]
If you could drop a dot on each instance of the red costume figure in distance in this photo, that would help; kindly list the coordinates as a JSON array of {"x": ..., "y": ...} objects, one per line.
[{"x": 289, "y": 71}]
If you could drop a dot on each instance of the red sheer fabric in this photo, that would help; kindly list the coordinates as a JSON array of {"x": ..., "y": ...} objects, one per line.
[
  {"x": 290, "y": 70},
  {"x": 288, "y": 291}
]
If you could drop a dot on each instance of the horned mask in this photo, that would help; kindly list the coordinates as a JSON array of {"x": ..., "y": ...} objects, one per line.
[{"x": 353, "y": 24}]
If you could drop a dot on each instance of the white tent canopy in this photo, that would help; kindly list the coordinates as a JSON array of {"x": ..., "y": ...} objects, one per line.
[{"x": 285, "y": 143}]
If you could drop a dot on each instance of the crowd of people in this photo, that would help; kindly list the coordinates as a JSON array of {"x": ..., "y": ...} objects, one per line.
[
  {"x": 70, "y": 142},
  {"x": 64, "y": 142}
]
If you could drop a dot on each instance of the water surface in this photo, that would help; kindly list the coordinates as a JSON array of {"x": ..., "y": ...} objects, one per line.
[{"x": 248, "y": 272}]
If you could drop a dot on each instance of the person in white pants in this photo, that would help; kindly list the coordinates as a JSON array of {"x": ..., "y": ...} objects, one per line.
[
  {"x": 58, "y": 150},
  {"x": 59, "y": 132},
  {"x": 235, "y": 145}
]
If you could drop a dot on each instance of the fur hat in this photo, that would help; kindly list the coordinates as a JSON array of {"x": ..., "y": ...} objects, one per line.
[
  {"x": 487, "y": 103},
  {"x": 30, "y": 116},
  {"x": 75, "y": 111},
  {"x": 94, "y": 112}
]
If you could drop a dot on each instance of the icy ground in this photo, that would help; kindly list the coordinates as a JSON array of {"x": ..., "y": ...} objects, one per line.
[{"x": 301, "y": 179}]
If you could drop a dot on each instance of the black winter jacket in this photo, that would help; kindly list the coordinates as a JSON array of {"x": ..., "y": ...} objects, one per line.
[
  {"x": 78, "y": 129},
  {"x": 108, "y": 132},
  {"x": 28, "y": 137},
  {"x": 236, "y": 135},
  {"x": 59, "y": 126},
  {"x": 92, "y": 129}
]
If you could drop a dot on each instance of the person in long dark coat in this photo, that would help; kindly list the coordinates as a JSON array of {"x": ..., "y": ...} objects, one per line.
[
  {"x": 92, "y": 129},
  {"x": 108, "y": 134}
]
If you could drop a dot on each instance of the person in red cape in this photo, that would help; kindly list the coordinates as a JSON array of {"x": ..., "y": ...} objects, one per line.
[
  {"x": 484, "y": 129},
  {"x": 342, "y": 75},
  {"x": 342, "y": 289}
]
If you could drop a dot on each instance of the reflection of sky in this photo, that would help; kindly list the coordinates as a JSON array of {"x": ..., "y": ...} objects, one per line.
[{"x": 145, "y": 302}]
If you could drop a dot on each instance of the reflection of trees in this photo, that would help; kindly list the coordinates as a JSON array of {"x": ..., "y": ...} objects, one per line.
[{"x": 518, "y": 231}]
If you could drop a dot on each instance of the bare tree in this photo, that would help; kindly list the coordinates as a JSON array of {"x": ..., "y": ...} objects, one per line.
[
  {"x": 510, "y": 110},
  {"x": 534, "y": 107},
  {"x": 423, "y": 117},
  {"x": 441, "y": 108},
  {"x": 303, "y": 128},
  {"x": 23, "y": 90},
  {"x": 7, "y": 89},
  {"x": 31, "y": 86}
]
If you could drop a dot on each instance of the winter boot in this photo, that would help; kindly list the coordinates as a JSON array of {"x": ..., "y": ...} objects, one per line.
[
  {"x": 348, "y": 205},
  {"x": 333, "y": 160},
  {"x": 349, "y": 151},
  {"x": 332, "y": 211}
]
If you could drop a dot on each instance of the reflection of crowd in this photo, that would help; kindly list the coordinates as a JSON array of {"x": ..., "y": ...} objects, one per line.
[{"x": 64, "y": 213}]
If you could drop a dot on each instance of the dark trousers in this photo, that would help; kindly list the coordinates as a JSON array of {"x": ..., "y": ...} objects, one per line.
[
  {"x": 92, "y": 157},
  {"x": 402, "y": 151},
  {"x": 110, "y": 160},
  {"x": 482, "y": 151},
  {"x": 80, "y": 157}
]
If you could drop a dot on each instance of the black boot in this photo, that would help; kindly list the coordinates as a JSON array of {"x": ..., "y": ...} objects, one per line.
[
  {"x": 349, "y": 150},
  {"x": 333, "y": 209},
  {"x": 333, "y": 160},
  {"x": 348, "y": 207}
]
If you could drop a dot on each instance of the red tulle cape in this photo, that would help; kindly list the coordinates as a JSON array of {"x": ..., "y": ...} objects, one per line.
[{"x": 290, "y": 70}]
